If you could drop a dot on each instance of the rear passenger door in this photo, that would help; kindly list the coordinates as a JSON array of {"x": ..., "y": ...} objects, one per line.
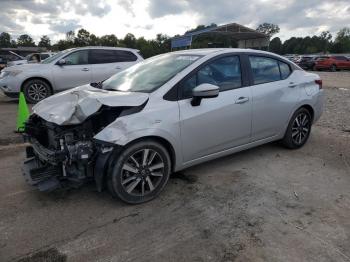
[
  {"x": 275, "y": 93},
  {"x": 107, "y": 62}
]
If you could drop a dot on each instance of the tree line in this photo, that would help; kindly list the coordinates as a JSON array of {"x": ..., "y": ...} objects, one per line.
[
  {"x": 323, "y": 43},
  {"x": 148, "y": 48}
]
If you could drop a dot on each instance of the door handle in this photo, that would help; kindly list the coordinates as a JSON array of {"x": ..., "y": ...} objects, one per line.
[
  {"x": 118, "y": 67},
  {"x": 85, "y": 69},
  {"x": 292, "y": 85},
  {"x": 242, "y": 100}
]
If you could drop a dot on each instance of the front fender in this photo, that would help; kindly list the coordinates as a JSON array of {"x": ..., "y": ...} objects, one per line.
[{"x": 142, "y": 125}]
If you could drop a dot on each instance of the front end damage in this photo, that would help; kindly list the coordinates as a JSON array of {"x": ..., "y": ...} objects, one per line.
[{"x": 67, "y": 155}]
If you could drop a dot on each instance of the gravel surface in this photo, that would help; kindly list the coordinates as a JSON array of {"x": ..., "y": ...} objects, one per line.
[{"x": 263, "y": 204}]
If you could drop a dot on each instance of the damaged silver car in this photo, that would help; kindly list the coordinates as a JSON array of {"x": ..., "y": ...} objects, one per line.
[{"x": 169, "y": 112}]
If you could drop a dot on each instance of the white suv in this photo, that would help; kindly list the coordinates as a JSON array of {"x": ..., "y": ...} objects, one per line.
[{"x": 65, "y": 70}]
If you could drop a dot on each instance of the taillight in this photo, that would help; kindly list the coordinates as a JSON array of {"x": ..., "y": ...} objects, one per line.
[{"x": 319, "y": 83}]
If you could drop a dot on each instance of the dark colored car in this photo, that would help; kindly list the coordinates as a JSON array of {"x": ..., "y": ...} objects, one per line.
[
  {"x": 3, "y": 62},
  {"x": 306, "y": 62},
  {"x": 332, "y": 63}
]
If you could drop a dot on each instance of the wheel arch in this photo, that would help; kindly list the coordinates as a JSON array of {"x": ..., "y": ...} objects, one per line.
[
  {"x": 37, "y": 77},
  {"x": 308, "y": 108},
  {"x": 164, "y": 142}
]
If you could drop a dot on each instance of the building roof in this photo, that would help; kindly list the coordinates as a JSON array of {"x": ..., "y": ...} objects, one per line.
[{"x": 236, "y": 31}]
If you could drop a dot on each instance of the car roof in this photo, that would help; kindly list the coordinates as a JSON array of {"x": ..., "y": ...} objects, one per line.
[
  {"x": 210, "y": 51},
  {"x": 105, "y": 47}
]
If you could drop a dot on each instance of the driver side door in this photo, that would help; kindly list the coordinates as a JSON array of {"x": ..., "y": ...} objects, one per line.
[
  {"x": 220, "y": 123},
  {"x": 75, "y": 72}
]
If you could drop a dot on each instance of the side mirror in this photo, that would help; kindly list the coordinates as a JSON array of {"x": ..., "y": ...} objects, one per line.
[
  {"x": 203, "y": 91},
  {"x": 61, "y": 62}
]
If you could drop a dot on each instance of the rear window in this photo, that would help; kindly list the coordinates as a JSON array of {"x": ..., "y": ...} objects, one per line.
[
  {"x": 341, "y": 58},
  {"x": 264, "y": 69},
  {"x": 105, "y": 56},
  {"x": 125, "y": 56},
  {"x": 44, "y": 56},
  {"x": 285, "y": 70}
]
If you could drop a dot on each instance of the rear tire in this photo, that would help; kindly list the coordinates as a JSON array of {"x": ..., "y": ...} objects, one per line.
[
  {"x": 333, "y": 68},
  {"x": 36, "y": 90},
  {"x": 298, "y": 130},
  {"x": 140, "y": 172}
]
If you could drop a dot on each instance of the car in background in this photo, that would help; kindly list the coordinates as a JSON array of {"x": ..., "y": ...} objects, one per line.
[
  {"x": 332, "y": 63},
  {"x": 3, "y": 63},
  {"x": 290, "y": 57},
  {"x": 308, "y": 62},
  {"x": 67, "y": 69},
  {"x": 165, "y": 114},
  {"x": 31, "y": 58},
  {"x": 303, "y": 61}
]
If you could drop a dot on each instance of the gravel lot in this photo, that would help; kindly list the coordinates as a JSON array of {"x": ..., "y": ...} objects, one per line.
[{"x": 264, "y": 204}]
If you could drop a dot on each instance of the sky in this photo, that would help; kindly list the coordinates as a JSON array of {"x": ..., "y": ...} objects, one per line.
[{"x": 149, "y": 17}]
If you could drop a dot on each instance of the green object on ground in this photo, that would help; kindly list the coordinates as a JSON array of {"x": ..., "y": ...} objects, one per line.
[{"x": 22, "y": 114}]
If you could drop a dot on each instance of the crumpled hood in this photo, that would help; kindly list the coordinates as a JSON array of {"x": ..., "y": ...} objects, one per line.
[{"x": 75, "y": 105}]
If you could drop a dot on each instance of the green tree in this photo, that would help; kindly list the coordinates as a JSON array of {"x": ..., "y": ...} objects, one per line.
[
  {"x": 268, "y": 29},
  {"x": 5, "y": 39},
  {"x": 94, "y": 40},
  {"x": 70, "y": 36},
  {"x": 129, "y": 40},
  {"x": 45, "y": 42},
  {"x": 25, "y": 40},
  {"x": 109, "y": 40},
  {"x": 342, "y": 41},
  {"x": 83, "y": 38},
  {"x": 276, "y": 45}
]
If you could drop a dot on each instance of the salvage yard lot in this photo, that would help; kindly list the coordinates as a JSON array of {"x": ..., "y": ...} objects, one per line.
[{"x": 263, "y": 204}]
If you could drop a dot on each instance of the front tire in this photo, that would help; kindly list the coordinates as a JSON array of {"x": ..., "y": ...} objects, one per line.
[
  {"x": 333, "y": 68},
  {"x": 298, "y": 130},
  {"x": 36, "y": 90},
  {"x": 140, "y": 172}
]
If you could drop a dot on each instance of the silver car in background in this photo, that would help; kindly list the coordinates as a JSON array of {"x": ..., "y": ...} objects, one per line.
[
  {"x": 31, "y": 58},
  {"x": 168, "y": 113},
  {"x": 67, "y": 69}
]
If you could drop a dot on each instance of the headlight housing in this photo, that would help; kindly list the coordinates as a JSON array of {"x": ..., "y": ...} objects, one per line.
[{"x": 10, "y": 73}]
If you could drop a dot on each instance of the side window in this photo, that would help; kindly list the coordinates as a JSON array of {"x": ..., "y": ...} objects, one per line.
[
  {"x": 224, "y": 72},
  {"x": 77, "y": 58},
  {"x": 285, "y": 70},
  {"x": 340, "y": 58},
  {"x": 125, "y": 56},
  {"x": 264, "y": 69},
  {"x": 101, "y": 56},
  {"x": 43, "y": 56}
]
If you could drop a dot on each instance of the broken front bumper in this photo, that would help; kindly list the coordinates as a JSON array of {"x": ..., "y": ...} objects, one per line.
[
  {"x": 43, "y": 176},
  {"x": 43, "y": 167}
]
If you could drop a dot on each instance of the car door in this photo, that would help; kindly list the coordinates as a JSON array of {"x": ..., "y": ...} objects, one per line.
[
  {"x": 217, "y": 123},
  {"x": 275, "y": 93},
  {"x": 75, "y": 72},
  {"x": 107, "y": 62}
]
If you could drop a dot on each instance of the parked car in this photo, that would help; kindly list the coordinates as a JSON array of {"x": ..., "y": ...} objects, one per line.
[
  {"x": 3, "y": 63},
  {"x": 304, "y": 61},
  {"x": 65, "y": 70},
  {"x": 31, "y": 58},
  {"x": 332, "y": 63},
  {"x": 168, "y": 113}
]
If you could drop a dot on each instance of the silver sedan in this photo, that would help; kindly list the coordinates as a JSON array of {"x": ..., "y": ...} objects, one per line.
[{"x": 168, "y": 113}]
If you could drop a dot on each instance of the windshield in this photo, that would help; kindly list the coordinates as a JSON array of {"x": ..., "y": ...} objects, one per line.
[
  {"x": 54, "y": 57},
  {"x": 149, "y": 74}
]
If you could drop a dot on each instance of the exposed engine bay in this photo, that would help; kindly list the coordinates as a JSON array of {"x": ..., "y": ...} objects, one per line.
[{"x": 68, "y": 155}]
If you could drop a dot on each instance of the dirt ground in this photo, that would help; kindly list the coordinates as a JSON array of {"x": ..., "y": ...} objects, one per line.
[{"x": 263, "y": 204}]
